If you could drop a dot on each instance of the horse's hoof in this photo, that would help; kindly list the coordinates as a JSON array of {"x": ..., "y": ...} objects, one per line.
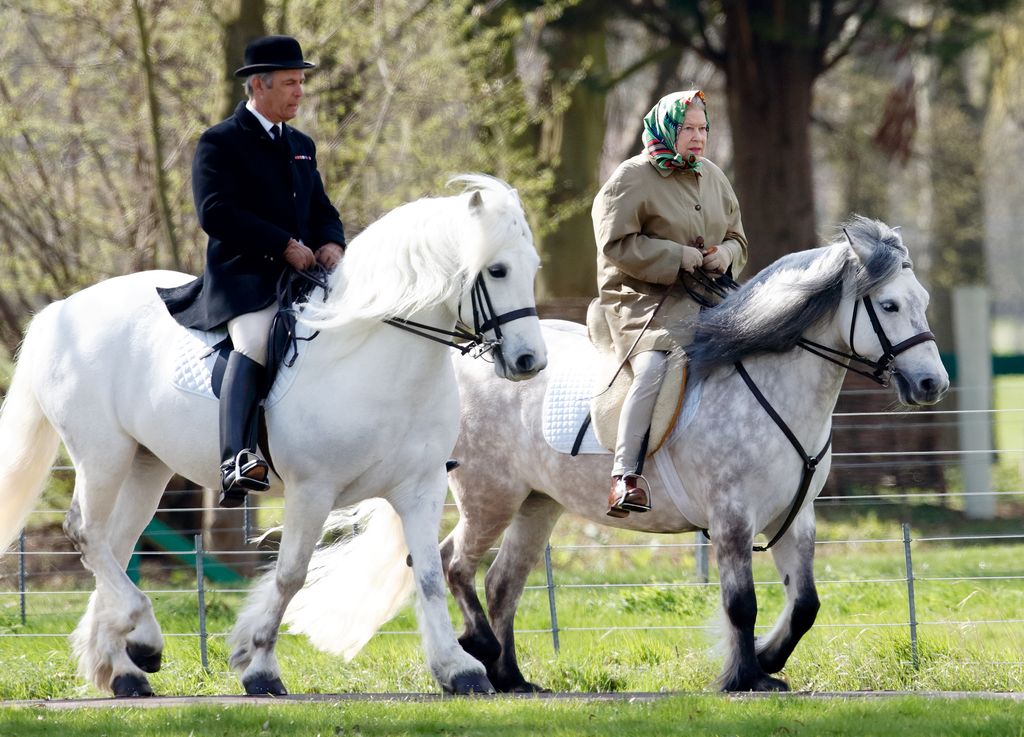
[
  {"x": 144, "y": 656},
  {"x": 523, "y": 687},
  {"x": 467, "y": 683},
  {"x": 764, "y": 682},
  {"x": 264, "y": 684},
  {"x": 130, "y": 686}
]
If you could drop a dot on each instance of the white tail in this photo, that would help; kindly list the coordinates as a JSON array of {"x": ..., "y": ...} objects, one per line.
[
  {"x": 28, "y": 442},
  {"x": 356, "y": 585}
]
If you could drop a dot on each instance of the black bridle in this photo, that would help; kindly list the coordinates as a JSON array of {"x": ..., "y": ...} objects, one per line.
[
  {"x": 881, "y": 371},
  {"x": 881, "y": 368},
  {"x": 461, "y": 338}
]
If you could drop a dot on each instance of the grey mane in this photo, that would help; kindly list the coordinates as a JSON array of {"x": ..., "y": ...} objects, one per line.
[{"x": 810, "y": 286}]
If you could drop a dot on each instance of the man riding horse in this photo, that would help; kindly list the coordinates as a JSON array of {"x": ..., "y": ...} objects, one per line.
[{"x": 261, "y": 201}]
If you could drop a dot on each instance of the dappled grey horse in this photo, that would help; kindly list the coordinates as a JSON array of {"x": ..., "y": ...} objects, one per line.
[{"x": 728, "y": 467}]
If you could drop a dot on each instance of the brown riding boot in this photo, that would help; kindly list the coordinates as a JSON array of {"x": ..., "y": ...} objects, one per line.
[{"x": 626, "y": 496}]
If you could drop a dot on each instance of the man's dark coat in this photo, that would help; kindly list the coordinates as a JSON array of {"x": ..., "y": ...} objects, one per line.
[{"x": 252, "y": 195}]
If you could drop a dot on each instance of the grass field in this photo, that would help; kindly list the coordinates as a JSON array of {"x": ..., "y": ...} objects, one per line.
[
  {"x": 631, "y": 619},
  {"x": 693, "y": 716}
]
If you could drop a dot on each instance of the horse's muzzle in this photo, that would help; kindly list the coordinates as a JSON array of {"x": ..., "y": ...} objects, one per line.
[
  {"x": 928, "y": 388},
  {"x": 525, "y": 366}
]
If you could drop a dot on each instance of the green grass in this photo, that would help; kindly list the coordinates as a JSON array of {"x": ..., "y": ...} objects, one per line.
[
  {"x": 860, "y": 641},
  {"x": 693, "y": 716}
]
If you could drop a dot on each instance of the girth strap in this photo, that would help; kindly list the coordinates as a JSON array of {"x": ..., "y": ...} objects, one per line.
[{"x": 810, "y": 463}]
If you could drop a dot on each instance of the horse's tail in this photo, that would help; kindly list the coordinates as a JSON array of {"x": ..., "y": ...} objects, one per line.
[
  {"x": 354, "y": 585},
  {"x": 28, "y": 442}
]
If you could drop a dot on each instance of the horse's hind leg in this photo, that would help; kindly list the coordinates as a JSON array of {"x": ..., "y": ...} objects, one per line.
[
  {"x": 733, "y": 541},
  {"x": 520, "y": 550},
  {"x": 482, "y": 519},
  {"x": 794, "y": 559},
  {"x": 118, "y": 638}
]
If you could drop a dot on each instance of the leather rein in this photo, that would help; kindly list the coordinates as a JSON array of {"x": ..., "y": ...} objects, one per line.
[
  {"x": 880, "y": 372},
  {"x": 461, "y": 338}
]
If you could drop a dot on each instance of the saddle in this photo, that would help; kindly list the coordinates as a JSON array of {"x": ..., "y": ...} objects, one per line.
[{"x": 202, "y": 358}]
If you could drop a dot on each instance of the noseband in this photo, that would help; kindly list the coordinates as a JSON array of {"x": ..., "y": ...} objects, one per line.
[{"x": 484, "y": 319}]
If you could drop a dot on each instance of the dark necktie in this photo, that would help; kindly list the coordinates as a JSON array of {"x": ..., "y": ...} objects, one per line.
[{"x": 275, "y": 132}]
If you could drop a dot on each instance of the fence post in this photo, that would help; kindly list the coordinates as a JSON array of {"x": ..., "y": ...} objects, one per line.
[
  {"x": 22, "y": 582},
  {"x": 201, "y": 595},
  {"x": 551, "y": 596},
  {"x": 974, "y": 382},
  {"x": 910, "y": 595},
  {"x": 701, "y": 554}
]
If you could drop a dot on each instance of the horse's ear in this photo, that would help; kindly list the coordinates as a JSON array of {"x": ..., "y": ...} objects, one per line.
[{"x": 476, "y": 201}]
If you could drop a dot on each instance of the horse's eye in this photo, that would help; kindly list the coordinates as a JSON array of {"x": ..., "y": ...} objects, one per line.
[
  {"x": 498, "y": 271},
  {"x": 890, "y": 306}
]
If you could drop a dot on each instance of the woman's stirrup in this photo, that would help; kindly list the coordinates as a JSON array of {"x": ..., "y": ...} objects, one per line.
[{"x": 629, "y": 493}]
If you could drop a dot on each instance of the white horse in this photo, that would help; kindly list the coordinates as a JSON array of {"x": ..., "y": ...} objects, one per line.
[
  {"x": 727, "y": 468},
  {"x": 372, "y": 410}
]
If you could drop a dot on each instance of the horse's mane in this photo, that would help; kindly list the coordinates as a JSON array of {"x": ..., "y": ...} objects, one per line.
[
  {"x": 771, "y": 311},
  {"x": 419, "y": 255}
]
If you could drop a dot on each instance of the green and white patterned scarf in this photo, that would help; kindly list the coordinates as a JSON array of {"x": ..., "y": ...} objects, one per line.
[{"x": 659, "y": 136}]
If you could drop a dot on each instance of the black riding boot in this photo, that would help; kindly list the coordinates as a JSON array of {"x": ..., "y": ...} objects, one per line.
[{"x": 242, "y": 470}]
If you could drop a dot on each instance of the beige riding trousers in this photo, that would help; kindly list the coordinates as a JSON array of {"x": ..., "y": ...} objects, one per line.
[
  {"x": 250, "y": 333},
  {"x": 638, "y": 409}
]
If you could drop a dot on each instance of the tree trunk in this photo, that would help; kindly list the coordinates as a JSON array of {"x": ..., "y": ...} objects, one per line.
[
  {"x": 239, "y": 31},
  {"x": 958, "y": 252},
  {"x": 572, "y": 142},
  {"x": 769, "y": 81}
]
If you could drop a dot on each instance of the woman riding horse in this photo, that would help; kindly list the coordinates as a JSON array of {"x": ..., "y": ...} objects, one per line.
[{"x": 664, "y": 213}]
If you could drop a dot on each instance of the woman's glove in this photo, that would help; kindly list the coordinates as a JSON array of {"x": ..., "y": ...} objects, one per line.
[
  {"x": 692, "y": 258},
  {"x": 716, "y": 260}
]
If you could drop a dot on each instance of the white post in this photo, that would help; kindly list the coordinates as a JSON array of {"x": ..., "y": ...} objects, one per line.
[{"x": 974, "y": 381}]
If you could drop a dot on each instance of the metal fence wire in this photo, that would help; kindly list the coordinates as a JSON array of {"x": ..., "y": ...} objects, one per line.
[{"x": 190, "y": 570}]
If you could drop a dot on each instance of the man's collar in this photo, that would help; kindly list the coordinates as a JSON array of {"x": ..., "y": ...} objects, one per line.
[{"x": 267, "y": 125}]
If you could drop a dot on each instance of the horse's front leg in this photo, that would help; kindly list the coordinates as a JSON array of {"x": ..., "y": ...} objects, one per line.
[
  {"x": 420, "y": 510},
  {"x": 254, "y": 637},
  {"x": 733, "y": 539},
  {"x": 794, "y": 559}
]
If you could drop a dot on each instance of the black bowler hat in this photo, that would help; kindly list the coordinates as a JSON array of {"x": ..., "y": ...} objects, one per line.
[{"x": 270, "y": 53}]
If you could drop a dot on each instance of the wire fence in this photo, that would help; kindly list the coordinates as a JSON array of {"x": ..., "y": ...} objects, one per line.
[{"x": 43, "y": 574}]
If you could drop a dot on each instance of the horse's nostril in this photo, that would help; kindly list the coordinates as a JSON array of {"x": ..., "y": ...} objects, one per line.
[
  {"x": 928, "y": 386},
  {"x": 525, "y": 363}
]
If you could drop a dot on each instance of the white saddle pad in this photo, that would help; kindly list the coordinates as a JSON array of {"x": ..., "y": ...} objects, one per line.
[
  {"x": 194, "y": 360},
  {"x": 571, "y": 384}
]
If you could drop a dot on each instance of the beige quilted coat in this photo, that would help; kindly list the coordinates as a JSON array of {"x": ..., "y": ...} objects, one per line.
[{"x": 641, "y": 221}]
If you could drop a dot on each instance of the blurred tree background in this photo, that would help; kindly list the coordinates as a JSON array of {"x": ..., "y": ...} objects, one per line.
[
  {"x": 907, "y": 111},
  {"x": 911, "y": 112}
]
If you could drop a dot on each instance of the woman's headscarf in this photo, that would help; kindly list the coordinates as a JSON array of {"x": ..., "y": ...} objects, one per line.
[{"x": 660, "y": 127}]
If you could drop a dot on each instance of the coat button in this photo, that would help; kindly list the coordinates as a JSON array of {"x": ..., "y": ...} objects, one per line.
[{"x": 697, "y": 207}]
